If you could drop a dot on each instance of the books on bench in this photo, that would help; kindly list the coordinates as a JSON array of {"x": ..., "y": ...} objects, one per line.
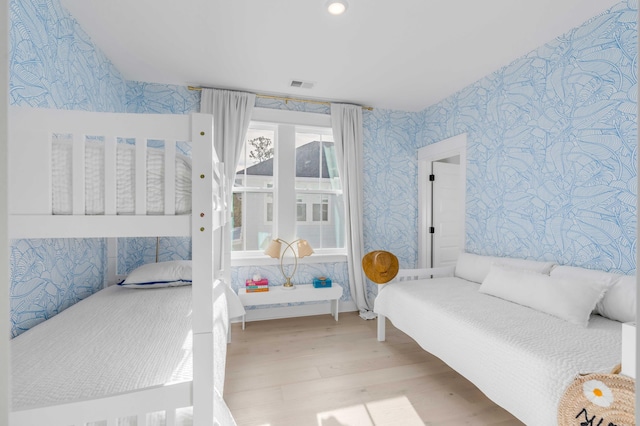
[{"x": 257, "y": 286}]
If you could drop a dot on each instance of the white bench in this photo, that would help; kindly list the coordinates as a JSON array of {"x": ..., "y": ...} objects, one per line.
[{"x": 301, "y": 293}]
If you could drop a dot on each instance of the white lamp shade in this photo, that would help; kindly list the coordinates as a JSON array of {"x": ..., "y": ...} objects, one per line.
[
  {"x": 304, "y": 248},
  {"x": 273, "y": 250}
]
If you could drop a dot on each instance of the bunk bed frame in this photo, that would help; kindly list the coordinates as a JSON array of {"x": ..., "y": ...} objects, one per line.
[{"x": 30, "y": 132}]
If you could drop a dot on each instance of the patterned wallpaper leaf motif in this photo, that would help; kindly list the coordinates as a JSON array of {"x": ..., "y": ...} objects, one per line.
[
  {"x": 292, "y": 106},
  {"x": 552, "y": 148},
  {"x": 152, "y": 98},
  {"x": 54, "y": 64},
  {"x": 390, "y": 186},
  {"x": 135, "y": 252},
  {"x": 49, "y": 275},
  {"x": 390, "y": 167}
]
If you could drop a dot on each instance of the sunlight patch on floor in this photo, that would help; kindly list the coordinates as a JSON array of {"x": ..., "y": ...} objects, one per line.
[{"x": 387, "y": 412}]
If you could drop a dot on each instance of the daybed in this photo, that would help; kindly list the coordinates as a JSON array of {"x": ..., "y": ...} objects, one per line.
[
  {"x": 122, "y": 355},
  {"x": 521, "y": 354}
]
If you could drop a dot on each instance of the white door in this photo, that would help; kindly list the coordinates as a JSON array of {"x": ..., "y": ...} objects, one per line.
[
  {"x": 446, "y": 210},
  {"x": 443, "y": 246}
]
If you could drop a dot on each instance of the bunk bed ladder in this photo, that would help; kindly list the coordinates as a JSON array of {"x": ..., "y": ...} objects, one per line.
[{"x": 205, "y": 221}]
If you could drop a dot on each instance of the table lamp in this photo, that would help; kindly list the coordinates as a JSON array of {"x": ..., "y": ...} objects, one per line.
[{"x": 274, "y": 250}]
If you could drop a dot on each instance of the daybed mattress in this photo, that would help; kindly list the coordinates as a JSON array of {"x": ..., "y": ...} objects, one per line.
[
  {"x": 520, "y": 358},
  {"x": 115, "y": 341}
]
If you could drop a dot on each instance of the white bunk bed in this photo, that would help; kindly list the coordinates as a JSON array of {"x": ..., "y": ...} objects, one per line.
[{"x": 32, "y": 134}]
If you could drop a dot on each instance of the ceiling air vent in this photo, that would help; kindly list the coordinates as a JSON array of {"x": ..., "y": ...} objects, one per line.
[{"x": 301, "y": 84}]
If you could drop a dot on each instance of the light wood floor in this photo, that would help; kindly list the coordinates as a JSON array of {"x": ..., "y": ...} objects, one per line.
[{"x": 318, "y": 372}]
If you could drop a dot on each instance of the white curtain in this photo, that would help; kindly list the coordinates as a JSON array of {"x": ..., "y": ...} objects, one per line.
[
  {"x": 231, "y": 116},
  {"x": 346, "y": 121}
]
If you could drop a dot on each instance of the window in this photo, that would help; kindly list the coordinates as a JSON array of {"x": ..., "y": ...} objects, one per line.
[
  {"x": 302, "y": 211},
  {"x": 286, "y": 185},
  {"x": 321, "y": 210}
]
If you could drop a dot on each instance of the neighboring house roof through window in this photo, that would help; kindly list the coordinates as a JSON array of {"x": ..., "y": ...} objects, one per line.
[{"x": 307, "y": 164}]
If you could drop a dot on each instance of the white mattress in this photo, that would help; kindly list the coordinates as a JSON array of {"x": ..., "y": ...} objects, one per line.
[
  {"x": 62, "y": 199},
  {"x": 116, "y": 340},
  {"x": 520, "y": 358}
]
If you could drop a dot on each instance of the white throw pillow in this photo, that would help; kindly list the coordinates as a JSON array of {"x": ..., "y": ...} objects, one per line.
[
  {"x": 162, "y": 274},
  {"x": 525, "y": 264},
  {"x": 619, "y": 302},
  {"x": 575, "y": 273},
  {"x": 571, "y": 300},
  {"x": 474, "y": 267}
]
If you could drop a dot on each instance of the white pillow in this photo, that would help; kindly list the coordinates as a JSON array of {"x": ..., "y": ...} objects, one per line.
[
  {"x": 619, "y": 302},
  {"x": 526, "y": 265},
  {"x": 575, "y": 273},
  {"x": 474, "y": 267},
  {"x": 571, "y": 300},
  {"x": 162, "y": 274}
]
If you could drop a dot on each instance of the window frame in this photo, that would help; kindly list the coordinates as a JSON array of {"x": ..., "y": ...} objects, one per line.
[{"x": 286, "y": 216}]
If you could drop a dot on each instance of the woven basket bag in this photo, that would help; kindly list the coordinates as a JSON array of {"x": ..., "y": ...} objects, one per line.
[{"x": 598, "y": 399}]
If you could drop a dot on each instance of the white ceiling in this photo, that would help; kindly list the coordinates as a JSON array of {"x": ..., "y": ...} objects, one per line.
[{"x": 394, "y": 54}]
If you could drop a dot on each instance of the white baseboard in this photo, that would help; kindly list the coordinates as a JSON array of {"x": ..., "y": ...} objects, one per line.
[{"x": 260, "y": 314}]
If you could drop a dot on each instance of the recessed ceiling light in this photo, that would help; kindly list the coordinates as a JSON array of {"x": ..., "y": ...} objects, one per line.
[{"x": 337, "y": 7}]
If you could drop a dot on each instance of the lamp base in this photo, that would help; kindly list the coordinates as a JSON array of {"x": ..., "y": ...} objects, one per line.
[{"x": 288, "y": 285}]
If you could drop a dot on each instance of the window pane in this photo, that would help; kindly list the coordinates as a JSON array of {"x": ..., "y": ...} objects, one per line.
[
  {"x": 326, "y": 227},
  {"x": 317, "y": 212},
  {"x": 251, "y": 227},
  {"x": 316, "y": 166},
  {"x": 236, "y": 222},
  {"x": 270, "y": 212},
  {"x": 321, "y": 211},
  {"x": 302, "y": 212},
  {"x": 255, "y": 168}
]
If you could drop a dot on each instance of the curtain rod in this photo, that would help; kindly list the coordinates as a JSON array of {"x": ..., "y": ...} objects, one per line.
[{"x": 286, "y": 99}]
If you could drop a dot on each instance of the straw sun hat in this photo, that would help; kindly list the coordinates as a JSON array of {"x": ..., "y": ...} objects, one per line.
[
  {"x": 380, "y": 266},
  {"x": 598, "y": 399}
]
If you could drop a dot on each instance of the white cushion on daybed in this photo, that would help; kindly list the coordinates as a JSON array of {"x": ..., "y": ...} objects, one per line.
[
  {"x": 571, "y": 298},
  {"x": 619, "y": 302},
  {"x": 474, "y": 267},
  {"x": 582, "y": 274}
]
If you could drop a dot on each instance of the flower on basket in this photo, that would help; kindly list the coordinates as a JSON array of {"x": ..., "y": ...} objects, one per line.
[{"x": 598, "y": 393}]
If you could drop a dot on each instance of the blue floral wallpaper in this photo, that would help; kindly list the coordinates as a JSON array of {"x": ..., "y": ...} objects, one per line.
[
  {"x": 135, "y": 252},
  {"x": 390, "y": 183},
  {"x": 149, "y": 98},
  {"x": 552, "y": 148},
  {"x": 390, "y": 186},
  {"x": 54, "y": 64},
  {"x": 49, "y": 275}
]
